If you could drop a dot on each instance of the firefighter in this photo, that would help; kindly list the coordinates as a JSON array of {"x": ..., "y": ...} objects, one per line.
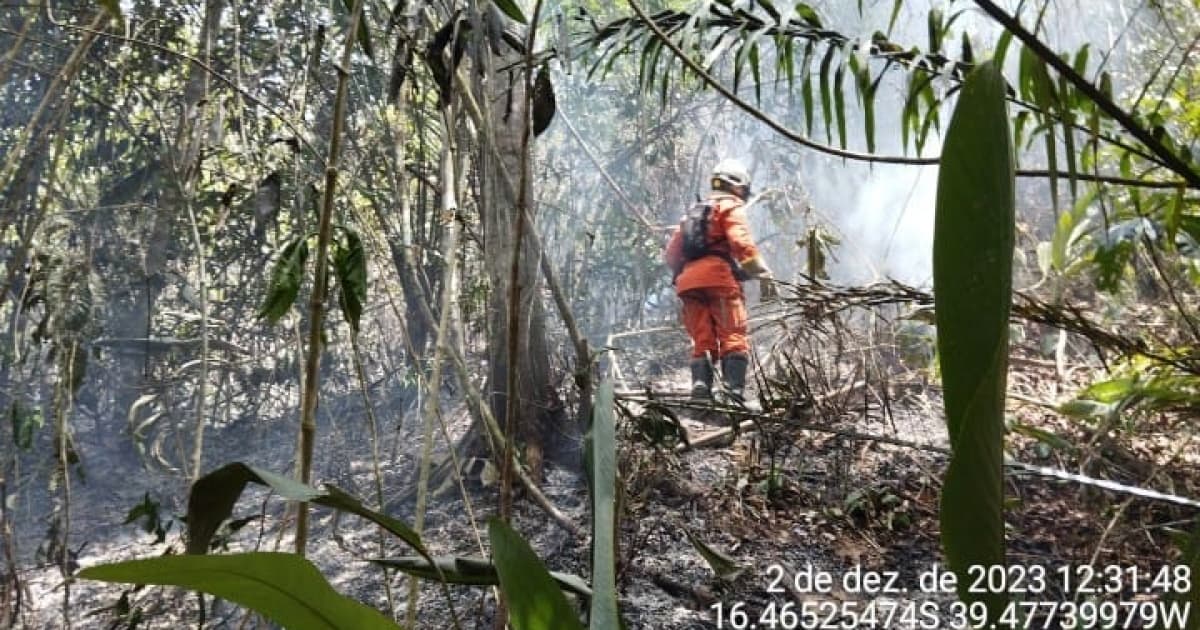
[{"x": 711, "y": 254}]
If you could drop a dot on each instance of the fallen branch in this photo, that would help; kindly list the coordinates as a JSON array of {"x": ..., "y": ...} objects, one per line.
[
  {"x": 1011, "y": 465},
  {"x": 813, "y": 302}
]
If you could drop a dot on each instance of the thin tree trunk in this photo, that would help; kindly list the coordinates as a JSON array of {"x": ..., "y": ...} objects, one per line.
[
  {"x": 316, "y": 305},
  {"x": 449, "y": 294}
]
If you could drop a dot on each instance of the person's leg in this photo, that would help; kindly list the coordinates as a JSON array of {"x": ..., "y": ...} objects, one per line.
[
  {"x": 698, "y": 320},
  {"x": 729, "y": 316}
]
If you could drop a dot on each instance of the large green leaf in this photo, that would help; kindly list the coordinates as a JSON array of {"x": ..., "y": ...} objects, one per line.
[
  {"x": 284, "y": 587},
  {"x": 212, "y": 498},
  {"x": 285, "y": 280},
  {"x": 604, "y": 517},
  {"x": 974, "y": 229},
  {"x": 534, "y": 600}
]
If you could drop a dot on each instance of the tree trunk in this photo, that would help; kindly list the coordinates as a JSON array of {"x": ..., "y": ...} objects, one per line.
[{"x": 539, "y": 410}]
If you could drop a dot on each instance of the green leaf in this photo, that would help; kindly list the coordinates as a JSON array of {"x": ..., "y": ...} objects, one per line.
[
  {"x": 770, "y": 9},
  {"x": 511, "y": 9},
  {"x": 933, "y": 23},
  {"x": 1052, "y": 164},
  {"x": 1068, "y": 231},
  {"x": 285, "y": 280},
  {"x": 807, "y": 89},
  {"x": 604, "y": 612},
  {"x": 350, "y": 267},
  {"x": 1106, "y": 85},
  {"x": 895, "y": 14},
  {"x": 1002, "y": 48},
  {"x": 364, "y": 32},
  {"x": 910, "y": 121},
  {"x": 212, "y": 498},
  {"x": 283, "y": 587},
  {"x": 648, "y": 63},
  {"x": 1110, "y": 391},
  {"x": 534, "y": 601},
  {"x": 1019, "y": 127},
  {"x": 1041, "y": 86},
  {"x": 1173, "y": 217},
  {"x": 1085, "y": 409},
  {"x": 754, "y": 70},
  {"x": 808, "y": 14},
  {"x": 866, "y": 92},
  {"x": 1110, "y": 260},
  {"x": 1072, "y": 168},
  {"x": 806, "y": 95},
  {"x": 470, "y": 571},
  {"x": 839, "y": 104},
  {"x": 1081, "y": 60},
  {"x": 974, "y": 226},
  {"x": 25, "y": 424},
  {"x": 826, "y": 110}
]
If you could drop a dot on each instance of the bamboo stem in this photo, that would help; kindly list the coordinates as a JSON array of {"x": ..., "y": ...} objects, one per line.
[
  {"x": 316, "y": 304},
  {"x": 432, "y": 408}
]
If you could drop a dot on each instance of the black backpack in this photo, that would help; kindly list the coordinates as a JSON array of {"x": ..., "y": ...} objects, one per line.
[{"x": 694, "y": 229}]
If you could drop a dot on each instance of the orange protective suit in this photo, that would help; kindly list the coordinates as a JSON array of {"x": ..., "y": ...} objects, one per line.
[{"x": 714, "y": 308}]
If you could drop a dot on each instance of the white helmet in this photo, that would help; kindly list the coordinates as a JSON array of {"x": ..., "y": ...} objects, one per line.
[{"x": 731, "y": 173}]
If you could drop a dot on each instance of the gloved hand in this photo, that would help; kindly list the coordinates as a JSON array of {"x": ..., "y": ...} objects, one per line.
[
  {"x": 755, "y": 267},
  {"x": 767, "y": 291}
]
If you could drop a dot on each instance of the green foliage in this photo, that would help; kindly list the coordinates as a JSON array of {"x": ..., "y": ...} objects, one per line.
[
  {"x": 1136, "y": 386},
  {"x": 604, "y": 612},
  {"x": 284, "y": 587},
  {"x": 350, "y": 267},
  {"x": 147, "y": 513},
  {"x": 511, "y": 9},
  {"x": 285, "y": 280},
  {"x": 974, "y": 229},
  {"x": 213, "y": 496},
  {"x": 26, "y": 423},
  {"x": 471, "y": 572},
  {"x": 347, "y": 259},
  {"x": 878, "y": 506},
  {"x": 364, "y": 30},
  {"x": 534, "y": 600}
]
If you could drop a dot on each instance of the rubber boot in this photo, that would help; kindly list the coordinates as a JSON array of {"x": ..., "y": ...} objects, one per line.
[
  {"x": 733, "y": 370},
  {"x": 702, "y": 377}
]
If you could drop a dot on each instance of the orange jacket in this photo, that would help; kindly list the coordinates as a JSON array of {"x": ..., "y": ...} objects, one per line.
[{"x": 728, "y": 232}]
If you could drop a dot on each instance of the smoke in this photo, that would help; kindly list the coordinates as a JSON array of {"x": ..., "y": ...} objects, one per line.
[{"x": 889, "y": 227}]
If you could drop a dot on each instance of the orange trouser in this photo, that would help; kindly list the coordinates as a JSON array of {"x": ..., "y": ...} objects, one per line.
[{"x": 715, "y": 319}]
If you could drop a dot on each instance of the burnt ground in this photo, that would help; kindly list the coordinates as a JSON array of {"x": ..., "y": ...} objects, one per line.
[{"x": 830, "y": 502}]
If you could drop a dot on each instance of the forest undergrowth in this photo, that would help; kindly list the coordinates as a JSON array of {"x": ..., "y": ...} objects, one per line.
[{"x": 835, "y": 467}]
